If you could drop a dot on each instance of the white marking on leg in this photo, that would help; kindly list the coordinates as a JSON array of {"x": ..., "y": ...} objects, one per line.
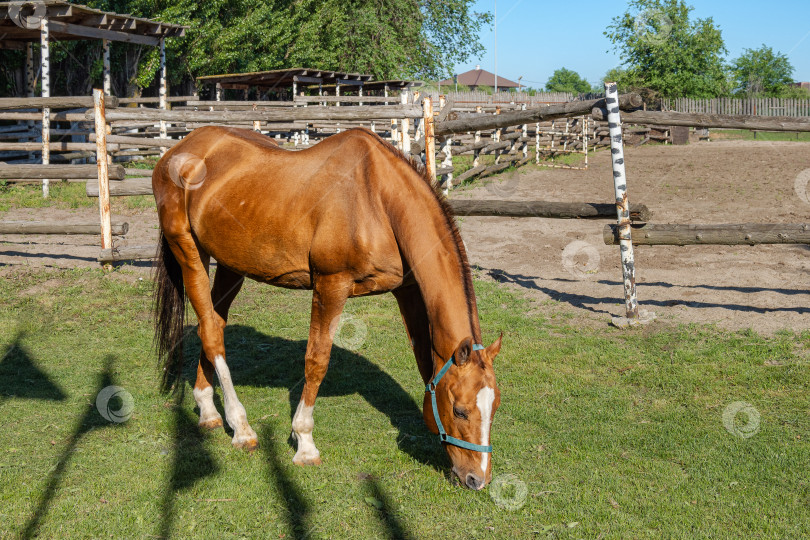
[
  {"x": 484, "y": 401},
  {"x": 234, "y": 410},
  {"x": 205, "y": 401},
  {"x": 303, "y": 423}
]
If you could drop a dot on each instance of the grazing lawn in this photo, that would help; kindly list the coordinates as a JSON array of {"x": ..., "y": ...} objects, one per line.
[{"x": 607, "y": 433}]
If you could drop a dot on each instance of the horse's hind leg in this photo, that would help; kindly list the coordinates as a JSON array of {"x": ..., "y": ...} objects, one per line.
[
  {"x": 329, "y": 295},
  {"x": 227, "y": 285},
  {"x": 195, "y": 278}
]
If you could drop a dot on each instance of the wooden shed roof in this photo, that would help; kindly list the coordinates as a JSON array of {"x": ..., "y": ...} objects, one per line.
[
  {"x": 285, "y": 77},
  {"x": 20, "y": 23}
]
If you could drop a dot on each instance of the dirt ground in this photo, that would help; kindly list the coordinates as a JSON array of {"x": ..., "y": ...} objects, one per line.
[{"x": 564, "y": 266}]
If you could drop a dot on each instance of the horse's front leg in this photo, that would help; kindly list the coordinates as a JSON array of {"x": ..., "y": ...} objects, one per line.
[{"x": 328, "y": 298}]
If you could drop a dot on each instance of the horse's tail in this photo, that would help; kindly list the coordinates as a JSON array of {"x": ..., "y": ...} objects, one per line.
[{"x": 170, "y": 314}]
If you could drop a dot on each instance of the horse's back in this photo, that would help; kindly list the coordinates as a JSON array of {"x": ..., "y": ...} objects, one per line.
[{"x": 275, "y": 214}]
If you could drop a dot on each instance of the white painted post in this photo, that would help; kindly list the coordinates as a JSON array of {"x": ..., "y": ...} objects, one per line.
[
  {"x": 476, "y": 140},
  {"x": 105, "y": 47},
  {"x": 44, "y": 38},
  {"x": 218, "y": 92},
  {"x": 360, "y": 93},
  {"x": 537, "y": 143},
  {"x": 162, "y": 99},
  {"x": 320, "y": 93},
  {"x": 585, "y": 122},
  {"x": 337, "y": 92},
  {"x": 30, "y": 76},
  {"x": 103, "y": 178},
  {"x": 496, "y": 137},
  {"x": 447, "y": 178},
  {"x": 524, "y": 133},
  {"x": 406, "y": 127}
]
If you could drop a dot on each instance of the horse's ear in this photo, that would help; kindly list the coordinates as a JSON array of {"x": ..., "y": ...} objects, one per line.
[
  {"x": 495, "y": 348},
  {"x": 463, "y": 352}
]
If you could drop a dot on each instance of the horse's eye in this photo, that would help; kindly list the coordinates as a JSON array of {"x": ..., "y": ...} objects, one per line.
[{"x": 459, "y": 413}]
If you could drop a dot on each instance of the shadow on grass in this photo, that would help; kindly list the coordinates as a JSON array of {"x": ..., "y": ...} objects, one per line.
[
  {"x": 89, "y": 421},
  {"x": 21, "y": 378},
  {"x": 271, "y": 362},
  {"x": 190, "y": 461},
  {"x": 297, "y": 507},
  {"x": 388, "y": 519}
]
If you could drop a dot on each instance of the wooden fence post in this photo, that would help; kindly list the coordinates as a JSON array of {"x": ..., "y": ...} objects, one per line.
[
  {"x": 430, "y": 138},
  {"x": 103, "y": 179},
  {"x": 162, "y": 91}
]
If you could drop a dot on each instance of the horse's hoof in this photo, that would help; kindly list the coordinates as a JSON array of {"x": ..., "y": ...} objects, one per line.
[
  {"x": 303, "y": 462},
  {"x": 247, "y": 443},
  {"x": 214, "y": 423}
]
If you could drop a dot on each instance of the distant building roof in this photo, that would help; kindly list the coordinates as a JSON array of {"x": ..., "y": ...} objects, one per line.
[
  {"x": 802, "y": 84},
  {"x": 481, "y": 77}
]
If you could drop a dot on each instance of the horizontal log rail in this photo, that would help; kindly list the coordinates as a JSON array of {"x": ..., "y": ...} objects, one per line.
[
  {"x": 544, "y": 209},
  {"x": 127, "y": 253},
  {"x": 129, "y": 187},
  {"x": 145, "y": 142},
  {"x": 58, "y": 102},
  {"x": 697, "y": 120},
  {"x": 346, "y": 99},
  {"x": 539, "y": 114},
  {"x": 38, "y": 172},
  {"x": 265, "y": 115},
  {"x": 58, "y": 227},
  {"x": 669, "y": 234}
]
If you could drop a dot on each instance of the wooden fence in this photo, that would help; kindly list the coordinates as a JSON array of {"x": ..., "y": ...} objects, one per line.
[{"x": 740, "y": 106}]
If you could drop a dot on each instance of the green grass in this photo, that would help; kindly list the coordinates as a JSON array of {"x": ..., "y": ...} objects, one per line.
[
  {"x": 62, "y": 195},
  {"x": 614, "y": 433},
  {"x": 747, "y": 135}
]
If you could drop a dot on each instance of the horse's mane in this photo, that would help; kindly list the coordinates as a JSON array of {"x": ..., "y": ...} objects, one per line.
[{"x": 450, "y": 219}]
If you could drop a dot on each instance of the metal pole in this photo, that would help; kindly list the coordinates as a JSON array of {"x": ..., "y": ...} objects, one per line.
[
  {"x": 103, "y": 178},
  {"x": 44, "y": 35},
  {"x": 622, "y": 205},
  {"x": 106, "y": 59},
  {"x": 163, "y": 133}
]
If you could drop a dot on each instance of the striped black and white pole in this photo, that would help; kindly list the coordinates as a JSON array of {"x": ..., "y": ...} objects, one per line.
[
  {"x": 622, "y": 205},
  {"x": 44, "y": 35}
]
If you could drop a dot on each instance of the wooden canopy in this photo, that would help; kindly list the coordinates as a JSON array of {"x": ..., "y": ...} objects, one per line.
[
  {"x": 281, "y": 78},
  {"x": 20, "y": 24}
]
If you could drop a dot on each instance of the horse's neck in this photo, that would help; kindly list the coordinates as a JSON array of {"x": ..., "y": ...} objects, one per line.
[{"x": 430, "y": 250}]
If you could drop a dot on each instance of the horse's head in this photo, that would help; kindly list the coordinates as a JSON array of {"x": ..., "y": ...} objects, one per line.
[{"x": 466, "y": 398}]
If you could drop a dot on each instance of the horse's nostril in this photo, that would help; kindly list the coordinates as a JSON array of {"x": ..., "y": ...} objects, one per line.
[{"x": 473, "y": 482}]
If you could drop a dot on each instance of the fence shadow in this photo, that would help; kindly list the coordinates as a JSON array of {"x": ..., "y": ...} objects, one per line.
[
  {"x": 266, "y": 361},
  {"x": 191, "y": 461},
  {"x": 21, "y": 378},
  {"x": 89, "y": 421}
]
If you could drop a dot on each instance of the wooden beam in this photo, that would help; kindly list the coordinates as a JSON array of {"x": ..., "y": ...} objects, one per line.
[
  {"x": 530, "y": 116},
  {"x": 543, "y": 209},
  {"x": 676, "y": 234},
  {"x": 669, "y": 118},
  {"x": 58, "y": 227},
  {"x": 98, "y": 33},
  {"x": 57, "y": 171},
  {"x": 127, "y": 253},
  {"x": 313, "y": 80},
  {"x": 59, "y": 102},
  {"x": 128, "y": 187},
  {"x": 308, "y": 113}
]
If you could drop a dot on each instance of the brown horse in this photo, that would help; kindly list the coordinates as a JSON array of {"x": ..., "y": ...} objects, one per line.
[{"x": 348, "y": 217}]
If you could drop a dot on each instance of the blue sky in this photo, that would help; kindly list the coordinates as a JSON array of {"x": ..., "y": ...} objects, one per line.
[{"x": 535, "y": 37}]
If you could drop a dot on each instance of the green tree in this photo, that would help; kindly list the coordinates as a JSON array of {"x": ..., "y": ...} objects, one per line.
[
  {"x": 662, "y": 48},
  {"x": 565, "y": 80},
  {"x": 761, "y": 72},
  {"x": 389, "y": 39}
]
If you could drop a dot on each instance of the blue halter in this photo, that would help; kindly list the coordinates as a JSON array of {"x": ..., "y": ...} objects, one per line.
[{"x": 443, "y": 436}]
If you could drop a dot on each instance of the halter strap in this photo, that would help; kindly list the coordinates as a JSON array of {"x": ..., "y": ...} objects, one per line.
[{"x": 443, "y": 436}]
